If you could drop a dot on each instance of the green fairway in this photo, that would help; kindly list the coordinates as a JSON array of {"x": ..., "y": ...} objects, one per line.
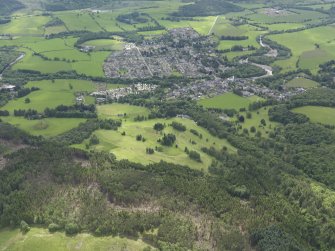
[
  {"x": 127, "y": 147},
  {"x": 318, "y": 114},
  {"x": 228, "y": 101},
  {"x": 302, "y": 83},
  {"x": 41, "y": 239},
  {"x": 51, "y": 94},
  {"x": 255, "y": 121}
]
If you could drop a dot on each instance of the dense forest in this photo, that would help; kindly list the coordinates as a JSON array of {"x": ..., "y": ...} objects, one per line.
[
  {"x": 207, "y": 8},
  {"x": 8, "y": 7}
]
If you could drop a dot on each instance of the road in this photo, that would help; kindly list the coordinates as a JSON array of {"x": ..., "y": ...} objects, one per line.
[
  {"x": 210, "y": 31},
  {"x": 12, "y": 63}
]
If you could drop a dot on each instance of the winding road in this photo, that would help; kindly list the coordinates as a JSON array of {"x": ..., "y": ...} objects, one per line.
[{"x": 12, "y": 63}]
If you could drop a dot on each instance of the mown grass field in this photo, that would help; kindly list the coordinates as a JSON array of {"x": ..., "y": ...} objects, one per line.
[
  {"x": 305, "y": 53},
  {"x": 116, "y": 110},
  {"x": 228, "y": 101},
  {"x": 301, "y": 82},
  {"x": 289, "y": 16},
  {"x": 127, "y": 147},
  {"x": 318, "y": 114},
  {"x": 41, "y": 239},
  {"x": 106, "y": 44}
]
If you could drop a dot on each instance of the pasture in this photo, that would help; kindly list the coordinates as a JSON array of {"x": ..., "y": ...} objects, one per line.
[
  {"x": 228, "y": 101},
  {"x": 105, "y": 44},
  {"x": 25, "y": 25},
  {"x": 317, "y": 47},
  {"x": 61, "y": 54},
  {"x": 268, "y": 16},
  {"x": 243, "y": 30},
  {"x": 301, "y": 83},
  {"x": 318, "y": 114},
  {"x": 51, "y": 94},
  {"x": 41, "y": 239}
]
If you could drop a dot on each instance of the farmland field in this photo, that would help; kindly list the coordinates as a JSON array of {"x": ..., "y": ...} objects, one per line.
[
  {"x": 228, "y": 101},
  {"x": 318, "y": 114},
  {"x": 305, "y": 53},
  {"x": 105, "y": 44},
  {"x": 51, "y": 94},
  {"x": 301, "y": 82},
  {"x": 41, "y": 239}
]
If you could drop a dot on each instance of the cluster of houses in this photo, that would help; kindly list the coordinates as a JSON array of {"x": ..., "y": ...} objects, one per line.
[
  {"x": 213, "y": 87},
  {"x": 180, "y": 51},
  {"x": 114, "y": 94}
]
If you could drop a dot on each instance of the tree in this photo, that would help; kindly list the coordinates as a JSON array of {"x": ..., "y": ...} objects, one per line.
[
  {"x": 24, "y": 227},
  {"x": 158, "y": 127},
  {"x": 139, "y": 137},
  {"x": 241, "y": 118},
  {"x": 263, "y": 122},
  {"x": 252, "y": 129},
  {"x": 94, "y": 140},
  {"x": 27, "y": 100},
  {"x": 168, "y": 139},
  {"x": 195, "y": 156}
]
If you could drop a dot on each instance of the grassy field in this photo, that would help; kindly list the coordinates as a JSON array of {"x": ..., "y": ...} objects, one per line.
[
  {"x": 48, "y": 127},
  {"x": 127, "y": 147},
  {"x": 25, "y": 25},
  {"x": 318, "y": 114},
  {"x": 41, "y": 239},
  {"x": 289, "y": 16},
  {"x": 113, "y": 110},
  {"x": 50, "y": 94},
  {"x": 243, "y": 30},
  {"x": 62, "y": 54},
  {"x": 106, "y": 44},
  {"x": 301, "y": 82},
  {"x": 306, "y": 53},
  {"x": 228, "y": 101}
]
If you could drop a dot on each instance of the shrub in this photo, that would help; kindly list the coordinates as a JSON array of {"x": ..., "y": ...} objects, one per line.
[
  {"x": 53, "y": 227},
  {"x": 71, "y": 229}
]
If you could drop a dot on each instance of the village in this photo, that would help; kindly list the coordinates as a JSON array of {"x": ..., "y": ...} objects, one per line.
[
  {"x": 114, "y": 94},
  {"x": 180, "y": 52}
]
